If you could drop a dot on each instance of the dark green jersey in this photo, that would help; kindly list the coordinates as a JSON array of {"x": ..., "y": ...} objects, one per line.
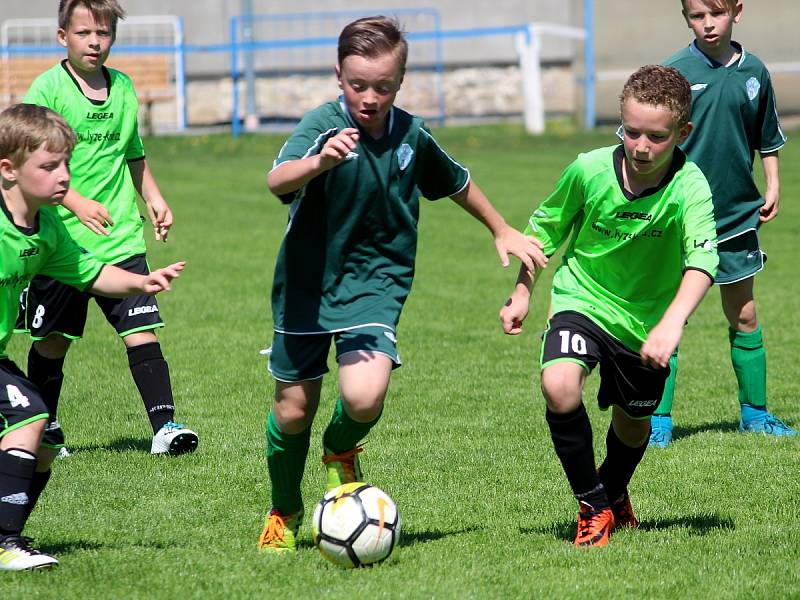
[
  {"x": 45, "y": 248},
  {"x": 107, "y": 138},
  {"x": 347, "y": 259},
  {"x": 734, "y": 114},
  {"x": 626, "y": 254}
]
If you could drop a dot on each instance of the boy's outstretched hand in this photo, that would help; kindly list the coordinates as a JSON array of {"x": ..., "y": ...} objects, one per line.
[
  {"x": 159, "y": 280},
  {"x": 338, "y": 147},
  {"x": 526, "y": 248}
]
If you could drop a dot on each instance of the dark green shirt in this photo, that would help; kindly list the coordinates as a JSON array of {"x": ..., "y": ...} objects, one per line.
[
  {"x": 734, "y": 114},
  {"x": 347, "y": 259}
]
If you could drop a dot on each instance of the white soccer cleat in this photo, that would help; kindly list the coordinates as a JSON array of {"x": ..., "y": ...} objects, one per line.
[
  {"x": 16, "y": 554},
  {"x": 174, "y": 438}
]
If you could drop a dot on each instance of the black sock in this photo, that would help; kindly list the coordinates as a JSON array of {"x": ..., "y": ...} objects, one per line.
[
  {"x": 572, "y": 439},
  {"x": 16, "y": 474},
  {"x": 48, "y": 375},
  {"x": 38, "y": 484},
  {"x": 620, "y": 463},
  {"x": 151, "y": 374}
]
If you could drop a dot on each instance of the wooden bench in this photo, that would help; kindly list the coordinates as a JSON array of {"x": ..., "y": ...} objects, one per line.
[{"x": 152, "y": 76}]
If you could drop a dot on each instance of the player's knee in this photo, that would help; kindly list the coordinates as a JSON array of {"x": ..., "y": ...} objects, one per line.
[
  {"x": 561, "y": 392},
  {"x": 364, "y": 408},
  {"x": 53, "y": 346}
]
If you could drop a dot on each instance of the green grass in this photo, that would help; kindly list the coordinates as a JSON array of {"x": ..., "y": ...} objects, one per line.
[{"x": 463, "y": 446}]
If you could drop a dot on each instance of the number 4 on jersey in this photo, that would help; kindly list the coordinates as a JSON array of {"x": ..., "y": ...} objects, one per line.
[{"x": 15, "y": 397}]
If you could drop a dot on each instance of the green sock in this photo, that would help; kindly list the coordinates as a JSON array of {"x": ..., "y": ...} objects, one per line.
[
  {"x": 665, "y": 406},
  {"x": 750, "y": 365},
  {"x": 286, "y": 461},
  {"x": 343, "y": 433}
]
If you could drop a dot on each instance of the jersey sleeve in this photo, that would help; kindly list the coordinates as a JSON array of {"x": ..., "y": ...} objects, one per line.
[
  {"x": 772, "y": 136},
  {"x": 437, "y": 174},
  {"x": 39, "y": 93},
  {"x": 553, "y": 221},
  {"x": 699, "y": 230},
  {"x": 69, "y": 263},
  {"x": 135, "y": 148}
]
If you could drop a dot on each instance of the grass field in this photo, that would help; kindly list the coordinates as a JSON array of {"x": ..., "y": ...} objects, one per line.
[{"x": 463, "y": 446}]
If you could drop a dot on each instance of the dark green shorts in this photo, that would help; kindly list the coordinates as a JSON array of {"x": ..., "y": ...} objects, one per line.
[
  {"x": 740, "y": 257},
  {"x": 300, "y": 357}
]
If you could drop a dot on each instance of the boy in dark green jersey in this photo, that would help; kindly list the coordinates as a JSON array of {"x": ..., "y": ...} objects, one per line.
[
  {"x": 35, "y": 147},
  {"x": 353, "y": 171},
  {"x": 640, "y": 258},
  {"x": 733, "y": 110},
  {"x": 109, "y": 169}
]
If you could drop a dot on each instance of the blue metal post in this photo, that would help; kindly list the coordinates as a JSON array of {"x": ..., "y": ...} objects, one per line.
[
  {"x": 590, "y": 117},
  {"x": 236, "y": 126}
]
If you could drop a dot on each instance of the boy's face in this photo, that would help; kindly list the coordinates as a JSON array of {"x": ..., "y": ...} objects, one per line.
[
  {"x": 712, "y": 25},
  {"x": 650, "y": 136},
  {"x": 369, "y": 86},
  {"x": 43, "y": 177},
  {"x": 87, "y": 41}
]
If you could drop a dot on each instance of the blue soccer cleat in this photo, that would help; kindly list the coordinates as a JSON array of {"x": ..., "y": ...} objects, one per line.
[
  {"x": 757, "y": 419},
  {"x": 660, "y": 431}
]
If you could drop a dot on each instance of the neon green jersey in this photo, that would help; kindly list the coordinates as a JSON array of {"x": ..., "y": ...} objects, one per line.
[
  {"x": 107, "y": 138},
  {"x": 44, "y": 249},
  {"x": 347, "y": 259},
  {"x": 626, "y": 254},
  {"x": 734, "y": 115}
]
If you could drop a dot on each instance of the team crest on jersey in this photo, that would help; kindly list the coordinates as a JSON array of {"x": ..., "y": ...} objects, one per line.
[
  {"x": 752, "y": 86},
  {"x": 404, "y": 154}
]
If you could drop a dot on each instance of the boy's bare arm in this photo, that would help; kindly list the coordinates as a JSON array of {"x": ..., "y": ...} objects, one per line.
[
  {"x": 158, "y": 210},
  {"x": 515, "y": 310},
  {"x": 507, "y": 240},
  {"x": 290, "y": 176},
  {"x": 89, "y": 212},
  {"x": 114, "y": 282},
  {"x": 771, "y": 164},
  {"x": 664, "y": 337}
]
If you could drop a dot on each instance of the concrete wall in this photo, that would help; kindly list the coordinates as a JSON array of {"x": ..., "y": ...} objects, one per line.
[{"x": 629, "y": 33}]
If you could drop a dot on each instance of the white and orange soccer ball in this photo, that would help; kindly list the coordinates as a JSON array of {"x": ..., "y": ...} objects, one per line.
[{"x": 355, "y": 525}]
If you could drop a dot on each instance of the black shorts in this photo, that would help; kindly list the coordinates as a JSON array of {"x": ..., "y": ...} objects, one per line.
[
  {"x": 624, "y": 379},
  {"x": 20, "y": 400},
  {"x": 49, "y": 306}
]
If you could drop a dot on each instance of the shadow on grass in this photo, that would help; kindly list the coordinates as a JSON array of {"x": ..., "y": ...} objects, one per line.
[
  {"x": 697, "y": 525},
  {"x": 722, "y": 427},
  {"x": 411, "y": 538},
  {"x": 67, "y": 547},
  {"x": 123, "y": 444}
]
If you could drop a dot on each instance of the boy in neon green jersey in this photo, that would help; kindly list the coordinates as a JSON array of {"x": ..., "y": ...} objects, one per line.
[
  {"x": 35, "y": 147},
  {"x": 733, "y": 109},
  {"x": 353, "y": 171},
  {"x": 641, "y": 256},
  {"x": 108, "y": 169}
]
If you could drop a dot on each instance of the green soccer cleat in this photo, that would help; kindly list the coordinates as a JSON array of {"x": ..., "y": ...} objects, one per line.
[
  {"x": 280, "y": 532},
  {"x": 342, "y": 468}
]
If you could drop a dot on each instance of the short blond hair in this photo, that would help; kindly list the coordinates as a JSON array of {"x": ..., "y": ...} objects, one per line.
[
  {"x": 729, "y": 5},
  {"x": 662, "y": 86},
  {"x": 102, "y": 10},
  {"x": 24, "y": 128}
]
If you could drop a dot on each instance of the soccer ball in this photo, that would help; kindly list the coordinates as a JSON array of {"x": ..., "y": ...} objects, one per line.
[{"x": 355, "y": 525}]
